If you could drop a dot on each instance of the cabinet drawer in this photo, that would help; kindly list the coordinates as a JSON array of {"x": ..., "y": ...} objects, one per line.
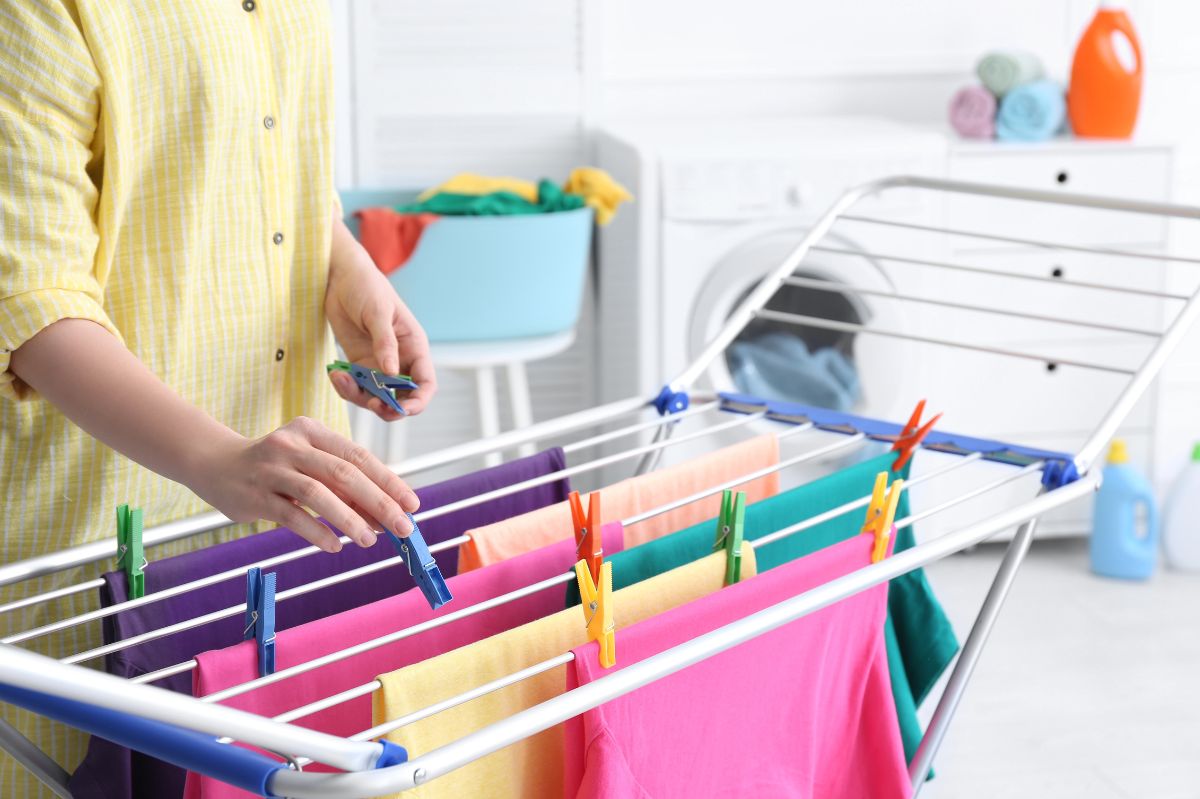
[
  {"x": 1058, "y": 300},
  {"x": 1140, "y": 174}
]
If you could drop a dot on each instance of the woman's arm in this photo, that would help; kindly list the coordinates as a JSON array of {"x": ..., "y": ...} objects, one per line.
[{"x": 86, "y": 373}]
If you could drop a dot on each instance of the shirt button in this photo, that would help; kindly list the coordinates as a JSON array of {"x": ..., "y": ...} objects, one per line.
[
  {"x": 279, "y": 355},
  {"x": 268, "y": 122},
  {"x": 248, "y": 5},
  {"x": 277, "y": 238}
]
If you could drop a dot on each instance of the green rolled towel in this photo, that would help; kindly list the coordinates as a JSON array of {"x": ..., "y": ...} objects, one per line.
[{"x": 1004, "y": 70}]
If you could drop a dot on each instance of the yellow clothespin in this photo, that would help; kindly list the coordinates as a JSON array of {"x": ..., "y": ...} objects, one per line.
[
  {"x": 881, "y": 513},
  {"x": 597, "y": 610}
]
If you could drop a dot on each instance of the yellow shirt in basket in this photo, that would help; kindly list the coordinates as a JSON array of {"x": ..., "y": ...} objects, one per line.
[{"x": 166, "y": 172}]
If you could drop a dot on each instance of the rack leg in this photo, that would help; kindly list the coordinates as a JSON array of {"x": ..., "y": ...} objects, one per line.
[
  {"x": 25, "y": 752},
  {"x": 956, "y": 686}
]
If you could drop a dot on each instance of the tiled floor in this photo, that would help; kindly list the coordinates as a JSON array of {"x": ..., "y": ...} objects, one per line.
[{"x": 1087, "y": 688}]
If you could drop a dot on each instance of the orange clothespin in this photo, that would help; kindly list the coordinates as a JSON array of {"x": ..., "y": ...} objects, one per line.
[
  {"x": 589, "y": 542},
  {"x": 881, "y": 514},
  {"x": 912, "y": 435},
  {"x": 598, "y": 611}
]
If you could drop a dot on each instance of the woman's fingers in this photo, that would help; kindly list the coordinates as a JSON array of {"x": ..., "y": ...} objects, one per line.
[
  {"x": 361, "y": 459},
  {"x": 354, "y": 488},
  {"x": 349, "y": 390},
  {"x": 425, "y": 377},
  {"x": 315, "y": 495},
  {"x": 282, "y": 510}
]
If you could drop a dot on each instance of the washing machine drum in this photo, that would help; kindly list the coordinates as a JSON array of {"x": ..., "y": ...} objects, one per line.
[{"x": 845, "y": 371}]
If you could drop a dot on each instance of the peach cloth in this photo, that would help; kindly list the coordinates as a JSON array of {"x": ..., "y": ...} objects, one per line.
[{"x": 545, "y": 526}]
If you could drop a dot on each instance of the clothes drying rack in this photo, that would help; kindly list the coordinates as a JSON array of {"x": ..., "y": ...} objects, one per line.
[{"x": 202, "y": 730}]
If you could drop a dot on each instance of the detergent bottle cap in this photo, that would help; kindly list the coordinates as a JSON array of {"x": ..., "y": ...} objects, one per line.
[
  {"x": 1196, "y": 453},
  {"x": 1117, "y": 453}
]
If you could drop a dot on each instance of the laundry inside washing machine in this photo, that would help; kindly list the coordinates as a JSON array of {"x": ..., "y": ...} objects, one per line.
[{"x": 804, "y": 364}]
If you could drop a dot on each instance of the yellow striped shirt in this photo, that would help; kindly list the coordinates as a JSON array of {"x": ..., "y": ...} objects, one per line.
[{"x": 166, "y": 172}]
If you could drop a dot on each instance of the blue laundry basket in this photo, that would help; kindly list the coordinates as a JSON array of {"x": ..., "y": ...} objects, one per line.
[{"x": 483, "y": 278}]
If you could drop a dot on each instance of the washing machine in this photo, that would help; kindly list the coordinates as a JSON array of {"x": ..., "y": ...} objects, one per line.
[{"x": 718, "y": 207}]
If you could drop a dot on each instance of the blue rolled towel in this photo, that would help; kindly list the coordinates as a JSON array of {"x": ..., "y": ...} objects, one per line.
[{"x": 1033, "y": 112}]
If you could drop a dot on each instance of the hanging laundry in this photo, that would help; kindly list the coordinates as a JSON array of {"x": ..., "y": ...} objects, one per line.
[
  {"x": 532, "y": 767},
  {"x": 112, "y": 771},
  {"x": 391, "y": 238},
  {"x": 803, "y": 711},
  {"x": 598, "y": 189},
  {"x": 472, "y": 183},
  {"x": 628, "y": 497},
  {"x": 224, "y": 668},
  {"x": 920, "y": 640}
]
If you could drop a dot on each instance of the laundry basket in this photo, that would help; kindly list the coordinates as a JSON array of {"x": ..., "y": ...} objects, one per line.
[{"x": 483, "y": 278}]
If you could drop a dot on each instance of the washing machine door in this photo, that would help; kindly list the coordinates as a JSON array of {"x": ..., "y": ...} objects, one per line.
[{"x": 848, "y": 371}]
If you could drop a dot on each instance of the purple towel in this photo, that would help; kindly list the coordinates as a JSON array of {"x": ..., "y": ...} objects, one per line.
[
  {"x": 973, "y": 112},
  {"x": 113, "y": 772}
]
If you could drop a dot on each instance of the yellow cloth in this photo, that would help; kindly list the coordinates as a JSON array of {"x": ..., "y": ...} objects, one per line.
[
  {"x": 544, "y": 526},
  {"x": 141, "y": 186},
  {"x": 533, "y": 767},
  {"x": 598, "y": 190},
  {"x": 471, "y": 183}
]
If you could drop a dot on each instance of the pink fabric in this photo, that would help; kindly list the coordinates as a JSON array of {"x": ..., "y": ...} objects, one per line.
[
  {"x": 220, "y": 669},
  {"x": 803, "y": 711}
]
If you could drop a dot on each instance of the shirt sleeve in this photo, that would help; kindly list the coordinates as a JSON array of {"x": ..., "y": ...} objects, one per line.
[{"x": 49, "y": 104}]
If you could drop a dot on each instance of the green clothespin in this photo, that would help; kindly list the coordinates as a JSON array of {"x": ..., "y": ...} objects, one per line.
[
  {"x": 731, "y": 525},
  {"x": 131, "y": 556}
]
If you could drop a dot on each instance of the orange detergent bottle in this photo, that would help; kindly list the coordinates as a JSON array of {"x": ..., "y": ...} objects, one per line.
[{"x": 1106, "y": 77}]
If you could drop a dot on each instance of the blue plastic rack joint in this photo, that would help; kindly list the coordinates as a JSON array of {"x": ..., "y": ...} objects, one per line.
[
  {"x": 1058, "y": 472},
  {"x": 671, "y": 401}
]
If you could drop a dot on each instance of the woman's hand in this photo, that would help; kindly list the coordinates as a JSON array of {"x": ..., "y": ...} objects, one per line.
[
  {"x": 374, "y": 327},
  {"x": 303, "y": 465}
]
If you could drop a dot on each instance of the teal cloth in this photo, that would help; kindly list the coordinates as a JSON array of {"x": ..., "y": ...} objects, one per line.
[
  {"x": 920, "y": 640},
  {"x": 551, "y": 198},
  {"x": 1004, "y": 70}
]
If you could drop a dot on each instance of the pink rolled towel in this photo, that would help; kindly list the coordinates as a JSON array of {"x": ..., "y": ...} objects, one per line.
[{"x": 973, "y": 112}]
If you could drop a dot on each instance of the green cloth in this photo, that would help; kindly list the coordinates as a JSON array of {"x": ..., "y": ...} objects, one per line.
[
  {"x": 920, "y": 640},
  {"x": 551, "y": 198}
]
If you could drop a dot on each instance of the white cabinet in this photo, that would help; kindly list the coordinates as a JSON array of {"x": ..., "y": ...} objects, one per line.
[{"x": 1044, "y": 403}]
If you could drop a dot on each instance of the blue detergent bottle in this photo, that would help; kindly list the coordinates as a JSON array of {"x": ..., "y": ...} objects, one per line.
[{"x": 1117, "y": 548}]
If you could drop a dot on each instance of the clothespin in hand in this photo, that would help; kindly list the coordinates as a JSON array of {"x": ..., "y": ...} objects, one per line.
[
  {"x": 731, "y": 525},
  {"x": 421, "y": 565},
  {"x": 881, "y": 514},
  {"x": 589, "y": 541},
  {"x": 912, "y": 435},
  {"x": 131, "y": 555},
  {"x": 376, "y": 383},
  {"x": 260, "y": 617},
  {"x": 598, "y": 611}
]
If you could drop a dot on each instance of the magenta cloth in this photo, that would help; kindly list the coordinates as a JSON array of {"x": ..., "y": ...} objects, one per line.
[
  {"x": 973, "y": 112},
  {"x": 804, "y": 711},
  {"x": 235, "y": 665},
  {"x": 113, "y": 772}
]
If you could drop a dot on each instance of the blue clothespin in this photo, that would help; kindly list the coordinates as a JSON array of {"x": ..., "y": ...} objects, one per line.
[
  {"x": 260, "y": 617},
  {"x": 421, "y": 565},
  {"x": 376, "y": 383}
]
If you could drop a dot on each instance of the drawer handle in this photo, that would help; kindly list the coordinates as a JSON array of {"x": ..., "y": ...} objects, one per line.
[
  {"x": 1051, "y": 367},
  {"x": 1062, "y": 177},
  {"x": 1057, "y": 272}
]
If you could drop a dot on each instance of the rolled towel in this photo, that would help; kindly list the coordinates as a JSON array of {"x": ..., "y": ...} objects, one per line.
[
  {"x": 1033, "y": 112},
  {"x": 973, "y": 113},
  {"x": 1004, "y": 70}
]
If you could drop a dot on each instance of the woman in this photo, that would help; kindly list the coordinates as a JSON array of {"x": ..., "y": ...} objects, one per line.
[{"x": 172, "y": 264}]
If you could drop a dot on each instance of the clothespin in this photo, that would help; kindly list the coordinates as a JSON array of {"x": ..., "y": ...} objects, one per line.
[
  {"x": 912, "y": 435},
  {"x": 421, "y": 566},
  {"x": 589, "y": 541},
  {"x": 131, "y": 555},
  {"x": 260, "y": 617},
  {"x": 881, "y": 514},
  {"x": 376, "y": 383},
  {"x": 731, "y": 526},
  {"x": 597, "y": 610}
]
